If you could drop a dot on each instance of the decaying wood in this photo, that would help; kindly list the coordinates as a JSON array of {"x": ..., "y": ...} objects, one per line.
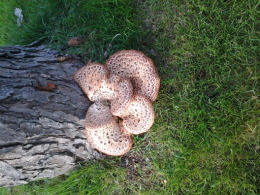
[{"x": 42, "y": 114}]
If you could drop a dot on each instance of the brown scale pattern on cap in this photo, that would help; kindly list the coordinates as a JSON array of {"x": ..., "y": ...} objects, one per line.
[
  {"x": 130, "y": 82},
  {"x": 103, "y": 132},
  {"x": 139, "y": 68},
  {"x": 90, "y": 78},
  {"x": 140, "y": 116},
  {"x": 123, "y": 98},
  {"x": 107, "y": 89},
  {"x": 98, "y": 115}
]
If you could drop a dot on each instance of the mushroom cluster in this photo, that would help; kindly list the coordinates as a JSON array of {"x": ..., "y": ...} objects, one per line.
[{"x": 122, "y": 90}]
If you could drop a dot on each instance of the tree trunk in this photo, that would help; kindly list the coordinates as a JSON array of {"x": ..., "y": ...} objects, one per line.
[{"x": 42, "y": 114}]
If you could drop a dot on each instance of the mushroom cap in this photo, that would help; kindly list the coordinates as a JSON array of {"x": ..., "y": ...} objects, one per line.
[
  {"x": 90, "y": 77},
  {"x": 140, "y": 116},
  {"x": 107, "y": 89},
  {"x": 103, "y": 132},
  {"x": 113, "y": 78},
  {"x": 139, "y": 68},
  {"x": 98, "y": 115},
  {"x": 123, "y": 98}
]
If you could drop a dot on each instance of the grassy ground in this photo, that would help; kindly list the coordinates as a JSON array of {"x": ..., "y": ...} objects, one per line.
[
  {"x": 100, "y": 23},
  {"x": 205, "y": 139}
]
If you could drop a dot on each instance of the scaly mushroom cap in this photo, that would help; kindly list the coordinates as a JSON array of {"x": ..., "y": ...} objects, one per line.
[
  {"x": 103, "y": 132},
  {"x": 140, "y": 115},
  {"x": 90, "y": 78},
  {"x": 113, "y": 78},
  {"x": 139, "y": 68},
  {"x": 107, "y": 89},
  {"x": 123, "y": 98}
]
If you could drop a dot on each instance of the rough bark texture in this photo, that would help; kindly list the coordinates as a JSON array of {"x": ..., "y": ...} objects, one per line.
[{"x": 42, "y": 115}]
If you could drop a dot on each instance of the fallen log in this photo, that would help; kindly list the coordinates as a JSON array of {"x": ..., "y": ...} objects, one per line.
[{"x": 42, "y": 115}]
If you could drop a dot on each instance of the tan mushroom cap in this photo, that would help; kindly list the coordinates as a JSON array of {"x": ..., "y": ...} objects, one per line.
[
  {"x": 113, "y": 78},
  {"x": 123, "y": 98},
  {"x": 90, "y": 78},
  {"x": 140, "y": 116},
  {"x": 139, "y": 68},
  {"x": 103, "y": 132},
  {"x": 107, "y": 89}
]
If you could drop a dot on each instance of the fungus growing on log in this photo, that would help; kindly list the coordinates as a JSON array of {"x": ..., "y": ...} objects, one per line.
[
  {"x": 122, "y": 91},
  {"x": 90, "y": 78},
  {"x": 139, "y": 68},
  {"x": 139, "y": 116},
  {"x": 123, "y": 97},
  {"x": 103, "y": 132}
]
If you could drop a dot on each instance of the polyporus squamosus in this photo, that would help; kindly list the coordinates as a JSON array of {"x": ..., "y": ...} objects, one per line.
[
  {"x": 139, "y": 68},
  {"x": 123, "y": 91},
  {"x": 103, "y": 132}
]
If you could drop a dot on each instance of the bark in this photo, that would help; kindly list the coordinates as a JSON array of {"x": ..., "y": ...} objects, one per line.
[{"x": 42, "y": 114}]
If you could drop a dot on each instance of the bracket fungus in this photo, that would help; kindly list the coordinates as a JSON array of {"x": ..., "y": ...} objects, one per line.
[
  {"x": 139, "y": 68},
  {"x": 103, "y": 132},
  {"x": 90, "y": 79},
  {"x": 122, "y": 90}
]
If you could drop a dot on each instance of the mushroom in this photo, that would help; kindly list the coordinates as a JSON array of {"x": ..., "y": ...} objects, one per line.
[
  {"x": 123, "y": 91},
  {"x": 123, "y": 98},
  {"x": 139, "y": 116},
  {"x": 139, "y": 68},
  {"x": 108, "y": 88},
  {"x": 90, "y": 79},
  {"x": 103, "y": 132}
]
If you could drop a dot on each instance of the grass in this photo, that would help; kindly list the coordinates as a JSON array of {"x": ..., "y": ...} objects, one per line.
[
  {"x": 105, "y": 26},
  {"x": 205, "y": 139}
]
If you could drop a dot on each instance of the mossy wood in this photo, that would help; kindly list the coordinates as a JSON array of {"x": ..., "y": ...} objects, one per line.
[{"x": 42, "y": 115}]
